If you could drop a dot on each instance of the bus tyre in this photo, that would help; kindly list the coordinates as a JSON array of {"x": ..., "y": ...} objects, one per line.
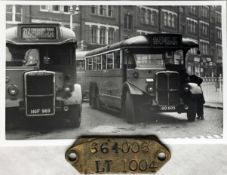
[
  {"x": 191, "y": 113},
  {"x": 129, "y": 110},
  {"x": 75, "y": 116}
]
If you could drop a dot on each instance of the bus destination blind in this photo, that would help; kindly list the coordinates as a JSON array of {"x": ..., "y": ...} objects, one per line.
[
  {"x": 165, "y": 40},
  {"x": 38, "y": 33}
]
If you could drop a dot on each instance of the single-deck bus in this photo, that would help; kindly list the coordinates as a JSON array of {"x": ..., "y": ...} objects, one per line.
[
  {"x": 144, "y": 72},
  {"x": 80, "y": 69},
  {"x": 41, "y": 73}
]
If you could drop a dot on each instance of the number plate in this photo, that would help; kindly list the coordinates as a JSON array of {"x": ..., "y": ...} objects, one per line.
[
  {"x": 168, "y": 108},
  {"x": 118, "y": 155}
]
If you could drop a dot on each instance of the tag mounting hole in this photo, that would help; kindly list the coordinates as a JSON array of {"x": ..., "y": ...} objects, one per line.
[
  {"x": 72, "y": 156},
  {"x": 161, "y": 156}
]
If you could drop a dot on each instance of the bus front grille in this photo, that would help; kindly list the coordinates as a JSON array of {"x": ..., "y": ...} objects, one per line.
[
  {"x": 167, "y": 85},
  {"x": 39, "y": 93}
]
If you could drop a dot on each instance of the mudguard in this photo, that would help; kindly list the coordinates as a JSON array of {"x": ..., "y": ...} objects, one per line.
[
  {"x": 133, "y": 89},
  {"x": 76, "y": 96},
  {"x": 195, "y": 88}
]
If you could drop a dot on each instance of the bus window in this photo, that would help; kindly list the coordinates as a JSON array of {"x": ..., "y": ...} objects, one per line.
[
  {"x": 32, "y": 57},
  {"x": 99, "y": 62},
  {"x": 117, "y": 59},
  {"x": 129, "y": 59},
  {"x": 80, "y": 65},
  {"x": 174, "y": 57},
  {"x": 89, "y": 63},
  {"x": 109, "y": 58},
  {"x": 104, "y": 61},
  {"x": 149, "y": 61},
  {"x": 56, "y": 55},
  {"x": 94, "y": 63}
]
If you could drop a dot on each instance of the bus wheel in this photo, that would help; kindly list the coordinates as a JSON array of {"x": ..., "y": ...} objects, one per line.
[
  {"x": 129, "y": 110},
  {"x": 75, "y": 116},
  {"x": 191, "y": 113}
]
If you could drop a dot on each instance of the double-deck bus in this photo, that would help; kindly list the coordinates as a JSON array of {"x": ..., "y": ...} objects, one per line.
[
  {"x": 41, "y": 73},
  {"x": 145, "y": 72}
]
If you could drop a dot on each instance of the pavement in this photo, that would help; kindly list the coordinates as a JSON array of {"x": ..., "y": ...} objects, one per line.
[{"x": 214, "y": 105}]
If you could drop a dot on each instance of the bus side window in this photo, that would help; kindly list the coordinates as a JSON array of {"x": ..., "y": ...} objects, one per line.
[
  {"x": 94, "y": 63},
  {"x": 89, "y": 63},
  {"x": 104, "y": 61},
  {"x": 117, "y": 59},
  {"x": 99, "y": 62},
  {"x": 109, "y": 58},
  {"x": 80, "y": 65}
]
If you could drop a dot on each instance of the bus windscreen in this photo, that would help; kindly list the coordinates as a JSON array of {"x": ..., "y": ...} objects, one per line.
[{"x": 149, "y": 61}]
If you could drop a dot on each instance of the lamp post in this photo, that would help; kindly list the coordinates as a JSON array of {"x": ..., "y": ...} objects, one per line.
[{"x": 73, "y": 12}]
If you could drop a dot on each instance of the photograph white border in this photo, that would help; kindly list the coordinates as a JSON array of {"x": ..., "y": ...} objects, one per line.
[{"x": 64, "y": 142}]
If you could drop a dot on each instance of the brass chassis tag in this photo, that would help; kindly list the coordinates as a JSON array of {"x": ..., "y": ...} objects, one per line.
[{"x": 117, "y": 154}]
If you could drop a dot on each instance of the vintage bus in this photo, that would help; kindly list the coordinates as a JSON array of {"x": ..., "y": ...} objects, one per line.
[
  {"x": 80, "y": 69},
  {"x": 41, "y": 73},
  {"x": 145, "y": 72}
]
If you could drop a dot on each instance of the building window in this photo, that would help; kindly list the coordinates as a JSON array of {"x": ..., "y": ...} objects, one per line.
[
  {"x": 56, "y": 8},
  {"x": 148, "y": 16},
  {"x": 192, "y": 26},
  {"x": 94, "y": 9},
  {"x": 110, "y": 11},
  {"x": 204, "y": 11},
  {"x": 102, "y": 36},
  {"x": 102, "y": 10},
  {"x": 153, "y": 16},
  {"x": 165, "y": 19},
  {"x": 192, "y": 10},
  {"x": 169, "y": 19},
  {"x": 142, "y": 17},
  {"x": 218, "y": 31},
  {"x": 9, "y": 13},
  {"x": 204, "y": 27},
  {"x": 204, "y": 45},
  {"x": 218, "y": 18},
  {"x": 94, "y": 34},
  {"x": 66, "y": 9},
  {"x": 128, "y": 21},
  {"x": 219, "y": 50},
  {"x": 111, "y": 36},
  {"x": 44, "y": 8},
  {"x": 13, "y": 14}
]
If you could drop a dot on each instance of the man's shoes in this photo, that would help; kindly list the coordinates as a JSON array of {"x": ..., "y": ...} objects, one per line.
[{"x": 200, "y": 117}]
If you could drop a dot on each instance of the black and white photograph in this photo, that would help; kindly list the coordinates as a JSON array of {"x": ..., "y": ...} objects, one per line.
[{"x": 113, "y": 69}]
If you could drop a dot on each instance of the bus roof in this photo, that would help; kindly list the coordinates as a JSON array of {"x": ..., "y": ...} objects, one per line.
[
  {"x": 144, "y": 41},
  {"x": 80, "y": 55},
  {"x": 39, "y": 34}
]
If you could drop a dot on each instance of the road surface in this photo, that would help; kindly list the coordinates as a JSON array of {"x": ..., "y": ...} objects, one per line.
[{"x": 165, "y": 125}]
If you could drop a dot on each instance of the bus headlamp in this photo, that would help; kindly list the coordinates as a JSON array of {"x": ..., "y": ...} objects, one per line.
[
  {"x": 67, "y": 89},
  {"x": 150, "y": 89},
  {"x": 13, "y": 90},
  {"x": 186, "y": 88}
]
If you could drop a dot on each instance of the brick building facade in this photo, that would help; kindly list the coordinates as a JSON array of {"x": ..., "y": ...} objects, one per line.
[{"x": 97, "y": 26}]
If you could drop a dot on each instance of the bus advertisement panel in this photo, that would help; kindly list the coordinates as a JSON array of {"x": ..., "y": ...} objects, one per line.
[
  {"x": 41, "y": 73},
  {"x": 142, "y": 73}
]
